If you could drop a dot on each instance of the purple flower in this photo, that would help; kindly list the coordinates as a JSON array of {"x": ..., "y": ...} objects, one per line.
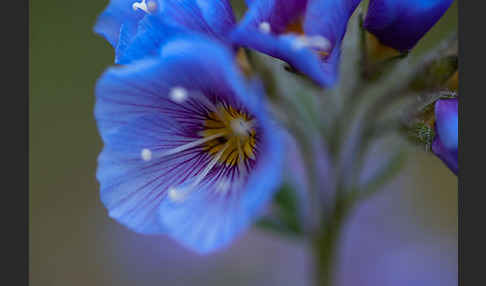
[
  {"x": 400, "y": 24},
  {"x": 306, "y": 34},
  {"x": 189, "y": 149},
  {"x": 122, "y": 20},
  {"x": 446, "y": 140}
]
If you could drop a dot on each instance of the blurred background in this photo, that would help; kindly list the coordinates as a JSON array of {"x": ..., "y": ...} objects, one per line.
[{"x": 407, "y": 235}]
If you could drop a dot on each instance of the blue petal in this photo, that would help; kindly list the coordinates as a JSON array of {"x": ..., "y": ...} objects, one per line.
[
  {"x": 445, "y": 143},
  {"x": 449, "y": 157},
  {"x": 400, "y": 24},
  {"x": 446, "y": 114},
  {"x": 211, "y": 17},
  {"x": 207, "y": 221},
  {"x": 278, "y": 14},
  {"x": 132, "y": 188},
  {"x": 329, "y": 18},
  {"x": 305, "y": 60},
  {"x": 117, "y": 13},
  {"x": 120, "y": 24},
  {"x": 152, "y": 34},
  {"x": 127, "y": 33}
]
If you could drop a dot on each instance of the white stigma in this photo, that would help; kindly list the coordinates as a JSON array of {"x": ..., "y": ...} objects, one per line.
[
  {"x": 147, "y": 8},
  {"x": 146, "y": 154},
  {"x": 265, "y": 27},
  {"x": 178, "y": 94},
  {"x": 240, "y": 126}
]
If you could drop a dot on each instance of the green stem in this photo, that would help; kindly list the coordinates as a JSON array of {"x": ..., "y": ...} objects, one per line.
[{"x": 326, "y": 242}]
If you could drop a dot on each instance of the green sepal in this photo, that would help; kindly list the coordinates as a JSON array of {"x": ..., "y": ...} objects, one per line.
[
  {"x": 285, "y": 215},
  {"x": 436, "y": 74}
]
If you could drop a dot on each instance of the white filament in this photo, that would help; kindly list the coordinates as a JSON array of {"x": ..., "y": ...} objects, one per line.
[
  {"x": 179, "y": 195},
  {"x": 191, "y": 144}
]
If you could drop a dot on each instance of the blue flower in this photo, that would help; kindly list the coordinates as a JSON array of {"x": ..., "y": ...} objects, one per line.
[
  {"x": 122, "y": 20},
  {"x": 305, "y": 34},
  {"x": 189, "y": 149},
  {"x": 446, "y": 127},
  {"x": 400, "y": 24}
]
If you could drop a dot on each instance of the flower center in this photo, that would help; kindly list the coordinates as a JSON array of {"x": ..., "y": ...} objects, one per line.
[
  {"x": 226, "y": 135},
  {"x": 238, "y": 135}
]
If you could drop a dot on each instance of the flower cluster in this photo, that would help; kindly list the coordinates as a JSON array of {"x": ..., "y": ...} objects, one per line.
[{"x": 190, "y": 148}]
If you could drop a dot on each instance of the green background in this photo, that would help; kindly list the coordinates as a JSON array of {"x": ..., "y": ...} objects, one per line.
[{"x": 74, "y": 242}]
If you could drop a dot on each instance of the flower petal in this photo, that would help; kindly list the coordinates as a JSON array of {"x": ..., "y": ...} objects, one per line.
[
  {"x": 400, "y": 24},
  {"x": 287, "y": 48},
  {"x": 446, "y": 114},
  {"x": 152, "y": 34},
  {"x": 449, "y": 157},
  {"x": 211, "y": 17},
  {"x": 120, "y": 22},
  {"x": 117, "y": 13},
  {"x": 206, "y": 17},
  {"x": 134, "y": 176},
  {"x": 445, "y": 144},
  {"x": 329, "y": 19},
  {"x": 277, "y": 14}
]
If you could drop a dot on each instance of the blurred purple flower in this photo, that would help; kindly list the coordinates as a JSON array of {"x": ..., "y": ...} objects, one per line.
[
  {"x": 400, "y": 24},
  {"x": 445, "y": 143},
  {"x": 307, "y": 34},
  {"x": 381, "y": 245}
]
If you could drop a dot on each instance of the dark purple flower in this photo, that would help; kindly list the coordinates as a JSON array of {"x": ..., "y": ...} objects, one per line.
[
  {"x": 400, "y": 24},
  {"x": 445, "y": 143},
  {"x": 307, "y": 34}
]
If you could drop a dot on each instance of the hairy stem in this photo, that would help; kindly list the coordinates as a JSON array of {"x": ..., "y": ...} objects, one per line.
[{"x": 325, "y": 244}]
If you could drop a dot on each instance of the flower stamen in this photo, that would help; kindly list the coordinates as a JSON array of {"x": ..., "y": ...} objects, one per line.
[
  {"x": 179, "y": 195},
  {"x": 265, "y": 27},
  {"x": 146, "y": 154},
  {"x": 147, "y": 8},
  {"x": 192, "y": 144}
]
